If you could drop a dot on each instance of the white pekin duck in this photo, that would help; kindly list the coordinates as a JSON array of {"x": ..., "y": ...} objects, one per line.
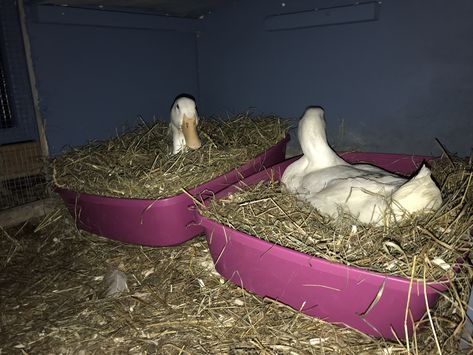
[
  {"x": 333, "y": 186},
  {"x": 183, "y": 125}
]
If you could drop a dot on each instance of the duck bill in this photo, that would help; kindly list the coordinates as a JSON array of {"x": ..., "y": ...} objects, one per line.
[{"x": 189, "y": 129}]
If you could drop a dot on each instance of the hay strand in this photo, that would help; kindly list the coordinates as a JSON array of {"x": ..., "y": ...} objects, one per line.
[
  {"x": 441, "y": 239},
  {"x": 139, "y": 163}
]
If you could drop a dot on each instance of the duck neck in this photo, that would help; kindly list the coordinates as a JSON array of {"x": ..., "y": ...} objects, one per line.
[
  {"x": 313, "y": 140},
  {"x": 178, "y": 140}
]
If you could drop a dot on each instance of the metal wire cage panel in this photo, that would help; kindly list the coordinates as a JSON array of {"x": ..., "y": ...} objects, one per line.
[{"x": 22, "y": 173}]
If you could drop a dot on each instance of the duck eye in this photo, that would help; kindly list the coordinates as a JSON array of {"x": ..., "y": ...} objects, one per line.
[{"x": 177, "y": 106}]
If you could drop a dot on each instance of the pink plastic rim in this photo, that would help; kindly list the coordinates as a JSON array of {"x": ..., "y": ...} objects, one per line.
[
  {"x": 341, "y": 294},
  {"x": 162, "y": 222}
]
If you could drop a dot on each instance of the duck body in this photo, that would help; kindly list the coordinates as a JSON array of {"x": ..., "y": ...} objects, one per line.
[
  {"x": 363, "y": 193},
  {"x": 183, "y": 125},
  {"x": 334, "y": 186}
]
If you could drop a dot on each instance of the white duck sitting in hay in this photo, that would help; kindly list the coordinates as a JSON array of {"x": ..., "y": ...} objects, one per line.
[
  {"x": 183, "y": 125},
  {"x": 370, "y": 194}
]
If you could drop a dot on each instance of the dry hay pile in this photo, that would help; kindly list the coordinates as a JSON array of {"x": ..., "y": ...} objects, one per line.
[
  {"x": 139, "y": 164},
  {"x": 53, "y": 300},
  {"x": 267, "y": 211}
]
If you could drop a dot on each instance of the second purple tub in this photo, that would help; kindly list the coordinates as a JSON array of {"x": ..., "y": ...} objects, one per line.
[
  {"x": 330, "y": 291},
  {"x": 162, "y": 222}
]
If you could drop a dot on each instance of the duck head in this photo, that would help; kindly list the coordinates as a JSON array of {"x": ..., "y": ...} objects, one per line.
[
  {"x": 313, "y": 140},
  {"x": 184, "y": 121}
]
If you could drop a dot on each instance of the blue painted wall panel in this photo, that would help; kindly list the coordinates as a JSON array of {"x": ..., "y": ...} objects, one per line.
[
  {"x": 94, "y": 77},
  {"x": 392, "y": 85},
  {"x": 315, "y": 17},
  {"x": 388, "y": 85}
]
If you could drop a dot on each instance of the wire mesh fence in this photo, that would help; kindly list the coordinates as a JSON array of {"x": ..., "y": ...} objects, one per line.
[
  {"x": 22, "y": 173},
  {"x": 22, "y": 177}
]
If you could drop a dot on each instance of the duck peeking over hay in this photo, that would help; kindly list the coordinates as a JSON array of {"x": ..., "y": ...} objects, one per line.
[
  {"x": 368, "y": 193},
  {"x": 183, "y": 125}
]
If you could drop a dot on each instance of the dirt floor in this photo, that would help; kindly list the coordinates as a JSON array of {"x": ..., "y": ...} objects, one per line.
[{"x": 54, "y": 281}]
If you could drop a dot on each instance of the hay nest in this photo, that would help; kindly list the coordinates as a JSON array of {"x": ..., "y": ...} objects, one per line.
[
  {"x": 437, "y": 240},
  {"x": 139, "y": 164},
  {"x": 53, "y": 299}
]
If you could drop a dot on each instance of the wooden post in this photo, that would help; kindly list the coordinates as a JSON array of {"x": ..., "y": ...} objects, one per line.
[
  {"x": 34, "y": 91},
  {"x": 17, "y": 215}
]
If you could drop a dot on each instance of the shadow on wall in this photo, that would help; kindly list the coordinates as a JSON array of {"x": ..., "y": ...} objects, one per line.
[
  {"x": 340, "y": 140},
  {"x": 396, "y": 87},
  {"x": 98, "y": 70},
  {"x": 362, "y": 138}
]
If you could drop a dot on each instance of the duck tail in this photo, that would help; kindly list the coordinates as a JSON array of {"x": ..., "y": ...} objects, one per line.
[{"x": 417, "y": 194}]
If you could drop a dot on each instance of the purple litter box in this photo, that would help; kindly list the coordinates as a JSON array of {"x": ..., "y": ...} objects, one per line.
[
  {"x": 330, "y": 291},
  {"x": 162, "y": 222}
]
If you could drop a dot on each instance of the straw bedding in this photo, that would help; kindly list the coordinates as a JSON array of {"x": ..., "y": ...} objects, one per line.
[
  {"x": 139, "y": 164},
  {"x": 438, "y": 241},
  {"x": 52, "y": 300},
  {"x": 53, "y": 295}
]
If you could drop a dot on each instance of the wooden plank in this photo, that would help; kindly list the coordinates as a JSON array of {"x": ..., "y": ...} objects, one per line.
[
  {"x": 31, "y": 74},
  {"x": 328, "y": 16},
  {"x": 21, "y": 214},
  {"x": 20, "y": 160}
]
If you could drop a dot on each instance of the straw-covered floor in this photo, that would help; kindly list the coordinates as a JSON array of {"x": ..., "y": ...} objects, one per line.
[
  {"x": 53, "y": 300},
  {"x": 139, "y": 163},
  {"x": 57, "y": 283}
]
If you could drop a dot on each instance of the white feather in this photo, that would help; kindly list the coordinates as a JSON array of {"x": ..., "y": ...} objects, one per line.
[{"x": 115, "y": 283}]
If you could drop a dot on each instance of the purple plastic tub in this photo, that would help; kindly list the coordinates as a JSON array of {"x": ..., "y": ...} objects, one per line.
[
  {"x": 330, "y": 291},
  {"x": 162, "y": 222}
]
